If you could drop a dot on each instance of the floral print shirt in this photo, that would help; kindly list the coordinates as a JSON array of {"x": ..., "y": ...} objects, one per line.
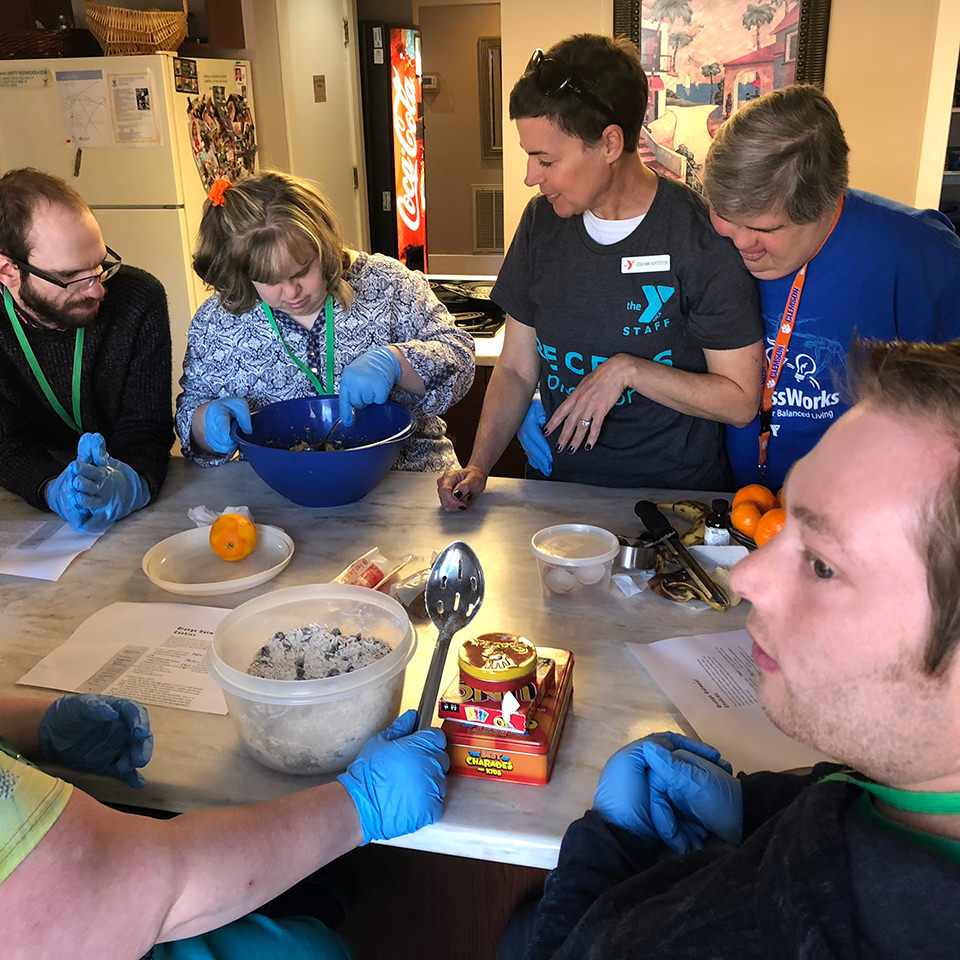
[{"x": 239, "y": 355}]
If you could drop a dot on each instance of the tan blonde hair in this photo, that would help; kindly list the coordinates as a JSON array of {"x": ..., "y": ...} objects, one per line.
[
  {"x": 921, "y": 381},
  {"x": 262, "y": 222}
]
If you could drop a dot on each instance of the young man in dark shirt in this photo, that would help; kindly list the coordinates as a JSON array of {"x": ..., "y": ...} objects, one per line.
[
  {"x": 85, "y": 408},
  {"x": 855, "y": 620}
]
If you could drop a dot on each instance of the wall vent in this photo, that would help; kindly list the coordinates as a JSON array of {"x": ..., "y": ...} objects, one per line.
[{"x": 487, "y": 218}]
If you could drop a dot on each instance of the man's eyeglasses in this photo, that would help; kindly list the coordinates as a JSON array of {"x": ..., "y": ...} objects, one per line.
[
  {"x": 107, "y": 269},
  {"x": 554, "y": 78}
]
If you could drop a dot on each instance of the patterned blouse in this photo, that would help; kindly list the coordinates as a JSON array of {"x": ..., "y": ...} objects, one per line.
[{"x": 239, "y": 355}]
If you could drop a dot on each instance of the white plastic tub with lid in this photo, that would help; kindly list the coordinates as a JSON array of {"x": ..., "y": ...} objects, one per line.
[
  {"x": 311, "y": 726},
  {"x": 574, "y": 559}
]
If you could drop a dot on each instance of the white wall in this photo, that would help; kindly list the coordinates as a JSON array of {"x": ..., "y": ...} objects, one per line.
[
  {"x": 524, "y": 26},
  {"x": 263, "y": 51},
  {"x": 323, "y": 139},
  {"x": 890, "y": 74}
]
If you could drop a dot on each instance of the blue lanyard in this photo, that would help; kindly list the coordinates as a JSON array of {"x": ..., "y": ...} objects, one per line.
[{"x": 328, "y": 311}]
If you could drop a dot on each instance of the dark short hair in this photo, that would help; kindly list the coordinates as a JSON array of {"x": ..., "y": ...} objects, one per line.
[
  {"x": 20, "y": 192},
  {"x": 609, "y": 69},
  {"x": 263, "y": 220},
  {"x": 922, "y": 381},
  {"x": 784, "y": 151}
]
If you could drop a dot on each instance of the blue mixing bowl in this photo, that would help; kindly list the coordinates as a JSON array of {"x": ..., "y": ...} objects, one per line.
[{"x": 324, "y": 478}]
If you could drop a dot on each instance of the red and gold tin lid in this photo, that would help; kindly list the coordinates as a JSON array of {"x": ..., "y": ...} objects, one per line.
[{"x": 502, "y": 659}]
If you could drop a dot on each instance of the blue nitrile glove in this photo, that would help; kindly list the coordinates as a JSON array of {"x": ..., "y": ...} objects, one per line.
[
  {"x": 624, "y": 794},
  {"x": 398, "y": 779},
  {"x": 690, "y": 792},
  {"x": 220, "y": 417},
  {"x": 63, "y": 498},
  {"x": 531, "y": 437},
  {"x": 369, "y": 379},
  {"x": 101, "y": 734},
  {"x": 109, "y": 488}
]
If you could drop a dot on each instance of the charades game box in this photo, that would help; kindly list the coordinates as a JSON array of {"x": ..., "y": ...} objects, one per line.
[{"x": 503, "y": 752}]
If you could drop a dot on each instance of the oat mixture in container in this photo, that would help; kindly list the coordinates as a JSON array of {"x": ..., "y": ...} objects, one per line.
[{"x": 313, "y": 652}]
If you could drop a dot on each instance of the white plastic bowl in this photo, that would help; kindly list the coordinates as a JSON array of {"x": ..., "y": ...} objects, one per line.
[
  {"x": 574, "y": 559},
  {"x": 311, "y": 726}
]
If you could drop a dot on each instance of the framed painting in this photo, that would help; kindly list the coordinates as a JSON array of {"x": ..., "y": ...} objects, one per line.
[
  {"x": 705, "y": 59},
  {"x": 489, "y": 81}
]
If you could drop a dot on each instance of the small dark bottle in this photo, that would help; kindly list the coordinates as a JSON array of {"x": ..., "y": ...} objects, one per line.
[{"x": 716, "y": 531}]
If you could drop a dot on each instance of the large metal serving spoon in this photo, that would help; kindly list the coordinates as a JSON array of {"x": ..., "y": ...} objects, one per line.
[{"x": 453, "y": 595}]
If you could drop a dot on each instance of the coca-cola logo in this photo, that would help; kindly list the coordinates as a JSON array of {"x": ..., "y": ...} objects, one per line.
[{"x": 405, "y": 131}]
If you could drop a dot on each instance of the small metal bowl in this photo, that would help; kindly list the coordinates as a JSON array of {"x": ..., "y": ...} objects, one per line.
[{"x": 636, "y": 553}]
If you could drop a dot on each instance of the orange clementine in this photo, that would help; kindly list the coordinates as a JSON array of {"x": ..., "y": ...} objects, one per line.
[
  {"x": 769, "y": 525},
  {"x": 233, "y": 536},
  {"x": 762, "y": 496},
  {"x": 781, "y": 502},
  {"x": 745, "y": 516}
]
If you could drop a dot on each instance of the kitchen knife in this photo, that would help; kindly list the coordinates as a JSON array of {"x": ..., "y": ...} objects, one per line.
[{"x": 667, "y": 544}]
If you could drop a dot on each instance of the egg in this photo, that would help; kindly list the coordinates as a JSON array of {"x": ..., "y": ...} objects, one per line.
[
  {"x": 590, "y": 573},
  {"x": 559, "y": 579}
]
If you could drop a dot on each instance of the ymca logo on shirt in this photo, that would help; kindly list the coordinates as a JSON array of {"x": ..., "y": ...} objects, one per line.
[{"x": 648, "y": 311}]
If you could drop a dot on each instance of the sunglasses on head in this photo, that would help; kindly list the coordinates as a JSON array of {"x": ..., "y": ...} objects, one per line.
[{"x": 554, "y": 78}]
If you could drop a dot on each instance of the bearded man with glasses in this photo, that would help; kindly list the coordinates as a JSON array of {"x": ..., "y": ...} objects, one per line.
[
  {"x": 81, "y": 372},
  {"x": 638, "y": 325}
]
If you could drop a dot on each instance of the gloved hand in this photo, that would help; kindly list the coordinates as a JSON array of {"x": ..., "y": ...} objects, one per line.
[
  {"x": 220, "y": 417},
  {"x": 108, "y": 488},
  {"x": 531, "y": 437},
  {"x": 623, "y": 795},
  {"x": 690, "y": 792},
  {"x": 397, "y": 781},
  {"x": 64, "y": 499},
  {"x": 368, "y": 379},
  {"x": 101, "y": 734}
]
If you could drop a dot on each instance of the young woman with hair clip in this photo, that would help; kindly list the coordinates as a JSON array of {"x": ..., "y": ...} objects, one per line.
[{"x": 295, "y": 312}]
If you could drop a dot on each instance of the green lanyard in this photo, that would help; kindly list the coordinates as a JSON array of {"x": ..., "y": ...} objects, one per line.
[
  {"x": 328, "y": 310},
  {"x": 72, "y": 422},
  {"x": 914, "y": 801}
]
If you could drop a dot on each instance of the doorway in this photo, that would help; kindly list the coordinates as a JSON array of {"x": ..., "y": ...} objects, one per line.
[{"x": 462, "y": 137}]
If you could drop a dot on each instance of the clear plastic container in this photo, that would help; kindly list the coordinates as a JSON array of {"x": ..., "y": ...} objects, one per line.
[
  {"x": 574, "y": 559},
  {"x": 311, "y": 726}
]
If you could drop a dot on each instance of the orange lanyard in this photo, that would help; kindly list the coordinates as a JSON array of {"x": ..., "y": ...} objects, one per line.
[{"x": 779, "y": 355}]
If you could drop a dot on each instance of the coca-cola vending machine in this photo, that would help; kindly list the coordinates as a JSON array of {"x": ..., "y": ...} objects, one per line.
[{"x": 390, "y": 76}]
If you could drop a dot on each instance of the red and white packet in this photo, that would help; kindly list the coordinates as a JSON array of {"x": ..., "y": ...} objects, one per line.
[{"x": 372, "y": 570}]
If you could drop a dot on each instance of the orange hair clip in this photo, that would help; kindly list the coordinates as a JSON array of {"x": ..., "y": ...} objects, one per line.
[{"x": 219, "y": 188}]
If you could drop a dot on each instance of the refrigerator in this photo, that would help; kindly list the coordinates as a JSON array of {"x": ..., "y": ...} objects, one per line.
[
  {"x": 391, "y": 87},
  {"x": 141, "y": 139}
]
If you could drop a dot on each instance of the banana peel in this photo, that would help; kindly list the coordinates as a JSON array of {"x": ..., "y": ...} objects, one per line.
[
  {"x": 672, "y": 583},
  {"x": 677, "y": 586},
  {"x": 695, "y": 512}
]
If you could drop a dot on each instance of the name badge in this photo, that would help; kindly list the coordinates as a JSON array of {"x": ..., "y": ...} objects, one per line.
[{"x": 655, "y": 264}]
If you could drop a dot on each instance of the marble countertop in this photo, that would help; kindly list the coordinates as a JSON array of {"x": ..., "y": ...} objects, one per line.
[
  {"x": 488, "y": 349},
  {"x": 198, "y": 761}
]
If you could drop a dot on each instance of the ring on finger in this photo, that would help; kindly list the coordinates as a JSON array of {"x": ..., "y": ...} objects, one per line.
[{"x": 586, "y": 423}]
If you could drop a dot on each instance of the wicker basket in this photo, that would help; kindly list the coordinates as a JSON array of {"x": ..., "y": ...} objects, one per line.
[
  {"x": 122, "y": 31},
  {"x": 27, "y": 44}
]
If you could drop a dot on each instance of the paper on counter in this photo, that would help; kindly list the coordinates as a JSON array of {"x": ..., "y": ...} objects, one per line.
[
  {"x": 717, "y": 555},
  {"x": 155, "y": 653},
  {"x": 41, "y": 549},
  {"x": 712, "y": 681}
]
